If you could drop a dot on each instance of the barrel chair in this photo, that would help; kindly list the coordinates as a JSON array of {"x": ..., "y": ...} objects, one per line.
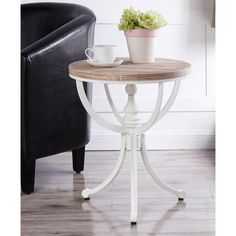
[{"x": 53, "y": 119}]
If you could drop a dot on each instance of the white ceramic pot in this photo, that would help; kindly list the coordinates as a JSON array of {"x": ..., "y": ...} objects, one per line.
[{"x": 141, "y": 45}]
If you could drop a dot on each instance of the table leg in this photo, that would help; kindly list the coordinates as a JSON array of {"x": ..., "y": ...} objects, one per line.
[
  {"x": 180, "y": 193},
  {"x": 134, "y": 203},
  {"x": 87, "y": 192}
]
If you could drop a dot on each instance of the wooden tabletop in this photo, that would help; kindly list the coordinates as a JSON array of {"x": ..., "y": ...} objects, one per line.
[{"x": 161, "y": 69}]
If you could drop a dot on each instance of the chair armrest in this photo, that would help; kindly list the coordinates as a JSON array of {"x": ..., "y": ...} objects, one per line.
[{"x": 61, "y": 42}]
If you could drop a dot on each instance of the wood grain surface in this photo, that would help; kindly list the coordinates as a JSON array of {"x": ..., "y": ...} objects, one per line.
[
  {"x": 161, "y": 69},
  {"x": 57, "y": 208}
]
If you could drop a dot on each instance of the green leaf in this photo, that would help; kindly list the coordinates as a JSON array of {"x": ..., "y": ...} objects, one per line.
[{"x": 135, "y": 19}]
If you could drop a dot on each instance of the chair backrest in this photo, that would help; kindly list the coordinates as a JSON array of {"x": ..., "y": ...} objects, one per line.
[{"x": 40, "y": 19}]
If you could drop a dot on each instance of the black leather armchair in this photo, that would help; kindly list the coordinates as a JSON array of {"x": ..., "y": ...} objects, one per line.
[{"x": 53, "y": 119}]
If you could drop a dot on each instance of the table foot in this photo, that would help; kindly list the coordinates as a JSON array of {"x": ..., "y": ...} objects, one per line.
[
  {"x": 180, "y": 193},
  {"x": 87, "y": 192}
]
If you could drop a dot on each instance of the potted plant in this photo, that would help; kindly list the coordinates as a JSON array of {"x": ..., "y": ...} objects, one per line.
[{"x": 140, "y": 29}]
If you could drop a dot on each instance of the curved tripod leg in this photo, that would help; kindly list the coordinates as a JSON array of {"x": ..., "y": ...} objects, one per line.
[
  {"x": 87, "y": 192},
  {"x": 134, "y": 203},
  {"x": 157, "y": 113},
  {"x": 113, "y": 108},
  {"x": 180, "y": 193},
  {"x": 88, "y": 107}
]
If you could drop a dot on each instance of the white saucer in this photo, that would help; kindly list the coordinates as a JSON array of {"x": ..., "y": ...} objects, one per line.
[{"x": 117, "y": 62}]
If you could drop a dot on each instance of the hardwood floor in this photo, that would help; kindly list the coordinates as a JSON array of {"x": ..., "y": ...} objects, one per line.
[{"x": 57, "y": 208}]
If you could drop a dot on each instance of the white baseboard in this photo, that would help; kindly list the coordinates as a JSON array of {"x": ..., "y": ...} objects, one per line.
[{"x": 105, "y": 141}]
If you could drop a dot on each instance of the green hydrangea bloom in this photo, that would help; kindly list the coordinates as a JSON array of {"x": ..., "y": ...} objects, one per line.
[{"x": 135, "y": 19}]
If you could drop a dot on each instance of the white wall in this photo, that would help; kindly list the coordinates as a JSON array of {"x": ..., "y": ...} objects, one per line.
[{"x": 189, "y": 36}]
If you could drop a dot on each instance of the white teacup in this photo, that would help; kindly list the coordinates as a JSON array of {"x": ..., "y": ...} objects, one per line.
[{"x": 102, "y": 53}]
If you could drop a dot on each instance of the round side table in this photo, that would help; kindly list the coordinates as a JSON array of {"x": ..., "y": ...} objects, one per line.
[{"x": 131, "y": 129}]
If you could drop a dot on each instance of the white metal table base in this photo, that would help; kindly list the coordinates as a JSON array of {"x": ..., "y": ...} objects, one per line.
[{"x": 132, "y": 138}]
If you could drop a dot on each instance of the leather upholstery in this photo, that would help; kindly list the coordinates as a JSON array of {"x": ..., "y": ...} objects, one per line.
[{"x": 52, "y": 116}]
